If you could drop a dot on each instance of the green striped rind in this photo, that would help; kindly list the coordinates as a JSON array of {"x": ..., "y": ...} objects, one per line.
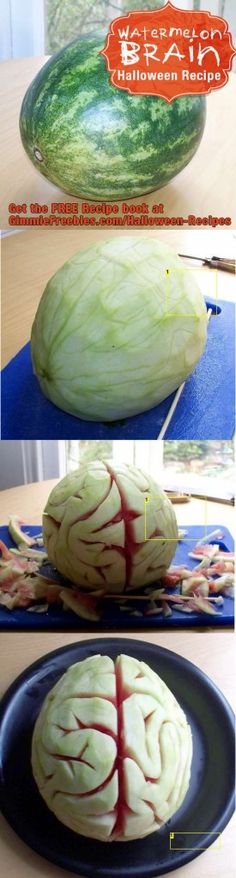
[{"x": 100, "y": 142}]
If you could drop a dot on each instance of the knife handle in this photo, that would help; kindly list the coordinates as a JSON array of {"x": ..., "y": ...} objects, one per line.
[{"x": 221, "y": 263}]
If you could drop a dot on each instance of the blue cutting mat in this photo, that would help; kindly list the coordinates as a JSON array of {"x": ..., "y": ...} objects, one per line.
[
  {"x": 113, "y": 617},
  {"x": 205, "y": 409}
]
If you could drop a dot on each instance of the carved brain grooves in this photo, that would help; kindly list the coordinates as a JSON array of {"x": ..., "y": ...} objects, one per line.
[
  {"x": 111, "y": 750},
  {"x": 109, "y": 526}
]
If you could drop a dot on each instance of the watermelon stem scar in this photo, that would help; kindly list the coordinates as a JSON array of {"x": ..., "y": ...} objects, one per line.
[
  {"x": 44, "y": 374},
  {"x": 38, "y": 154}
]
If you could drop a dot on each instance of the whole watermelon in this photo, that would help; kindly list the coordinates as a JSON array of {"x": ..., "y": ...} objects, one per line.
[{"x": 100, "y": 142}]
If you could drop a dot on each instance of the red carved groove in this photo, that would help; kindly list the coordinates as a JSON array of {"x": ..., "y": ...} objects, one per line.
[
  {"x": 90, "y": 792},
  {"x": 128, "y": 516},
  {"x": 98, "y": 728}
]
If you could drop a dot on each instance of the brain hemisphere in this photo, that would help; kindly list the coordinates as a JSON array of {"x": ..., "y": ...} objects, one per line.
[
  {"x": 113, "y": 527},
  {"x": 111, "y": 750}
]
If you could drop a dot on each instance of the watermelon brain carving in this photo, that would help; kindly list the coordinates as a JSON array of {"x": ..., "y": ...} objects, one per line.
[
  {"x": 112, "y": 749},
  {"x": 98, "y": 141},
  {"x": 109, "y": 526}
]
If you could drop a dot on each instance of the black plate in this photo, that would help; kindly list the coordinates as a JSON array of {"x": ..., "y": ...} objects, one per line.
[{"x": 207, "y": 807}]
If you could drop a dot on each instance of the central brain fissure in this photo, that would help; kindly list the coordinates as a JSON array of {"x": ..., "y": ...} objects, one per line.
[
  {"x": 127, "y": 515},
  {"x": 112, "y": 749}
]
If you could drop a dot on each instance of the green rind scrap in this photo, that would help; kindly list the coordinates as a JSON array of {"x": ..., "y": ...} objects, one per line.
[{"x": 100, "y": 142}]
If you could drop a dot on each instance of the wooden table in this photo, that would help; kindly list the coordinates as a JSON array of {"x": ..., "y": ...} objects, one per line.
[
  {"x": 214, "y": 655},
  {"x": 31, "y": 257},
  {"x": 205, "y": 186}
]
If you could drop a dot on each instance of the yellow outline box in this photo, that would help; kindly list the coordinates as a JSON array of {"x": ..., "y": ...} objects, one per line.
[
  {"x": 173, "y": 539},
  {"x": 172, "y": 836},
  {"x": 168, "y": 273}
]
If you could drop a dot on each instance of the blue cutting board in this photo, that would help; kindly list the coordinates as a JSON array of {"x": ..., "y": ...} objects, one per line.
[
  {"x": 56, "y": 618},
  {"x": 205, "y": 409}
]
